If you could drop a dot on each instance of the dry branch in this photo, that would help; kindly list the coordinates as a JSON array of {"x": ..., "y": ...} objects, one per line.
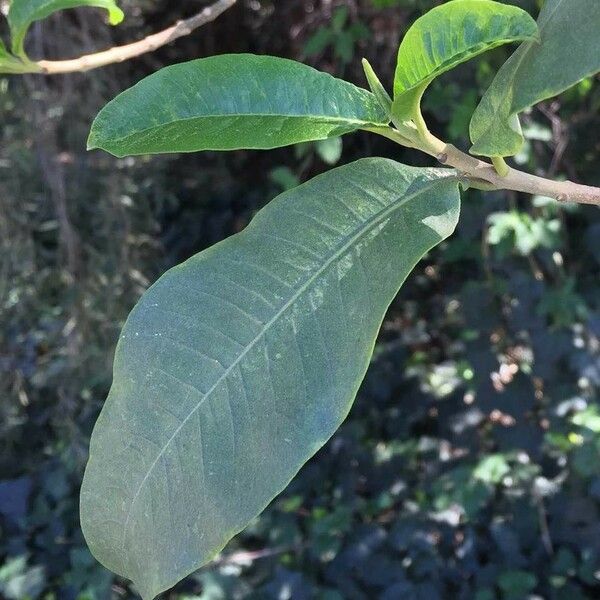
[{"x": 122, "y": 53}]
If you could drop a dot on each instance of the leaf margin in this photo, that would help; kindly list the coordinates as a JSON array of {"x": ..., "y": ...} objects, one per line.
[
  {"x": 511, "y": 127},
  {"x": 99, "y": 139},
  {"x": 451, "y": 178},
  {"x": 407, "y": 95}
]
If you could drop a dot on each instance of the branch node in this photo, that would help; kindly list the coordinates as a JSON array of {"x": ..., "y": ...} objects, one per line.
[{"x": 483, "y": 176}]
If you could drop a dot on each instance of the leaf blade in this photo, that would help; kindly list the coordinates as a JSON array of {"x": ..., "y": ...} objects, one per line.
[
  {"x": 230, "y": 102},
  {"x": 268, "y": 356},
  {"x": 448, "y": 35},
  {"x": 22, "y": 13},
  {"x": 537, "y": 71}
]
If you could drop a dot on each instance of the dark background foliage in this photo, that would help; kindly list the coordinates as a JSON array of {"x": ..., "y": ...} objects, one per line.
[{"x": 469, "y": 467}]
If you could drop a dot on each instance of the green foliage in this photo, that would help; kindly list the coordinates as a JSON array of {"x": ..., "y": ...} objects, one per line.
[
  {"x": 448, "y": 35},
  {"x": 589, "y": 419},
  {"x": 22, "y": 13},
  {"x": 516, "y": 584},
  {"x": 390, "y": 3},
  {"x": 563, "y": 306},
  {"x": 340, "y": 36},
  {"x": 284, "y": 178},
  {"x": 250, "y": 324},
  {"x": 329, "y": 151},
  {"x": 228, "y": 360},
  {"x": 472, "y": 473},
  {"x": 229, "y": 102},
  {"x": 536, "y": 71},
  {"x": 492, "y": 469},
  {"x": 18, "y": 581},
  {"x": 516, "y": 230}
]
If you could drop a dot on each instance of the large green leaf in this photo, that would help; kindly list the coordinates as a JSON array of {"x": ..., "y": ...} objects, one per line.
[
  {"x": 449, "y": 35},
  {"x": 22, "y": 13},
  {"x": 568, "y": 52},
  {"x": 239, "y": 364},
  {"x": 229, "y": 102}
]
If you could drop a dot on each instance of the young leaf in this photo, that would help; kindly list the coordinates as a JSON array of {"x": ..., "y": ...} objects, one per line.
[
  {"x": 318, "y": 42},
  {"x": 377, "y": 87},
  {"x": 238, "y": 365},
  {"x": 568, "y": 52},
  {"x": 22, "y": 13},
  {"x": 448, "y": 35},
  {"x": 229, "y": 102}
]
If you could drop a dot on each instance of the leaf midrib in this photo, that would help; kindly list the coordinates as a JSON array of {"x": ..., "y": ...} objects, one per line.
[
  {"x": 372, "y": 223},
  {"x": 330, "y": 119}
]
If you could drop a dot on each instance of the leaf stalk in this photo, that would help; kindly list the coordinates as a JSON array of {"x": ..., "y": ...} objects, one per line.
[{"x": 500, "y": 165}]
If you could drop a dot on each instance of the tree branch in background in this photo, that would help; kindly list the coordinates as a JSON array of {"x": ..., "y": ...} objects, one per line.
[{"x": 122, "y": 53}]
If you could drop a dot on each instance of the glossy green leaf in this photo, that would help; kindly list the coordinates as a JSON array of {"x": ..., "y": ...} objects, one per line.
[
  {"x": 239, "y": 364},
  {"x": 569, "y": 51},
  {"x": 22, "y": 13},
  {"x": 448, "y": 35},
  {"x": 229, "y": 102}
]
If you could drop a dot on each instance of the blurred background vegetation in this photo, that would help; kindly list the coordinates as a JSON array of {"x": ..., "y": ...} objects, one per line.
[{"x": 469, "y": 467}]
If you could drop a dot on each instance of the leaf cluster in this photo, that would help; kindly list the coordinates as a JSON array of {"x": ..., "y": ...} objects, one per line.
[{"x": 238, "y": 365}]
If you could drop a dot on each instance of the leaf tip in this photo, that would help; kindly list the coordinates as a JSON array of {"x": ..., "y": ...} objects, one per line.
[
  {"x": 96, "y": 143},
  {"x": 383, "y": 98},
  {"x": 92, "y": 142},
  {"x": 115, "y": 15}
]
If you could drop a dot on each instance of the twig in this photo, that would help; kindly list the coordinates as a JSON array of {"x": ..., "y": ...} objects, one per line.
[
  {"x": 474, "y": 169},
  {"x": 122, "y": 53},
  {"x": 480, "y": 174},
  {"x": 543, "y": 524},
  {"x": 560, "y": 135}
]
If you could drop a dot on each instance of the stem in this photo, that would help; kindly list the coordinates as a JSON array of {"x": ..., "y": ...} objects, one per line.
[
  {"x": 403, "y": 138},
  {"x": 13, "y": 65},
  {"x": 480, "y": 174},
  {"x": 519, "y": 181},
  {"x": 122, "y": 53},
  {"x": 419, "y": 121}
]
